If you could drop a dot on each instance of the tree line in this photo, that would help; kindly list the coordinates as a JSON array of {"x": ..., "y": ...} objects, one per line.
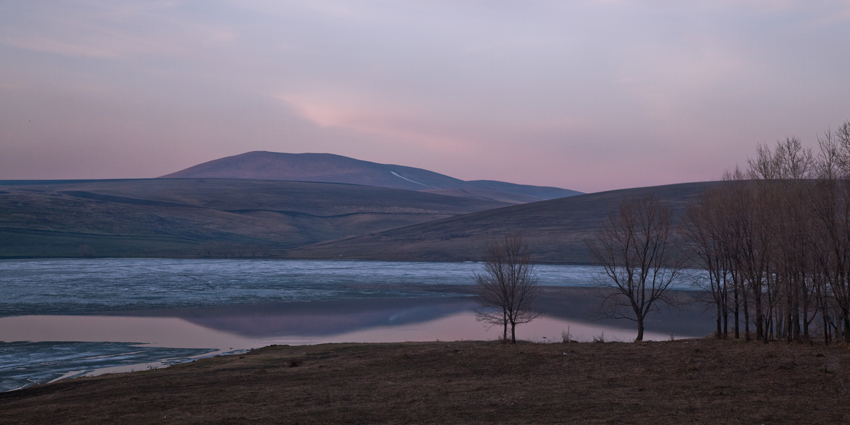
[{"x": 775, "y": 242}]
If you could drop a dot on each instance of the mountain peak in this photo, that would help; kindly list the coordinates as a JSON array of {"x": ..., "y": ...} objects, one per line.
[{"x": 331, "y": 168}]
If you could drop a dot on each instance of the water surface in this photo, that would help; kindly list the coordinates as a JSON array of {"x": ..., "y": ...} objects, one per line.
[
  {"x": 67, "y": 317},
  {"x": 87, "y": 286}
]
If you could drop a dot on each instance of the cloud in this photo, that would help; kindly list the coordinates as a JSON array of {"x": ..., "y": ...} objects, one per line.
[
  {"x": 573, "y": 91},
  {"x": 368, "y": 115},
  {"x": 116, "y": 29},
  {"x": 48, "y": 45}
]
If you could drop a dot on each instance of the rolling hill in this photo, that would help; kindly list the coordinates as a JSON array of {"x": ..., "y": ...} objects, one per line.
[
  {"x": 329, "y": 168},
  {"x": 191, "y": 218},
  {"x": 555, "y": 229},
  {"x": 202, "y": 217}
]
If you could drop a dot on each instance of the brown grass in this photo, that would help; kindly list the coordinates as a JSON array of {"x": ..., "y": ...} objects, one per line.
[{"x": 694, "y": 381}]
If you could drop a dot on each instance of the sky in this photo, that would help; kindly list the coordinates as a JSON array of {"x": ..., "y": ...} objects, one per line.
[{"x": 584, "y": 95}]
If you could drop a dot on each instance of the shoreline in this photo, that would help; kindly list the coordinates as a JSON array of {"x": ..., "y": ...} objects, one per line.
[
  {"x": 130, "y": 333},
  {"x": 154, "y": 337},
  {"x": 704, "y": 380}
]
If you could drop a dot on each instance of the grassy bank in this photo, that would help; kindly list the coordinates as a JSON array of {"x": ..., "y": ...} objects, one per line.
[{"x": 687, "y": 381}]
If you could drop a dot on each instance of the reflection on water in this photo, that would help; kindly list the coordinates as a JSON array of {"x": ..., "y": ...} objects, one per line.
[
  {"x": 170, "y": 340},
  {"x": 318, "y": 318},
  {"x": 157, "y": 338},
  {"x": 179, "y": 333},
  {"x": 69, "y": 317}
]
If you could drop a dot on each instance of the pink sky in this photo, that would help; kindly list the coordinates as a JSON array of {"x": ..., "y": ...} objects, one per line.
[{"x": 585, "y": 95}]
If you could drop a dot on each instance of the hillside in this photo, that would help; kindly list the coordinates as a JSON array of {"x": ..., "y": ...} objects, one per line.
[
  {"x": 202, "y": 218},
  {"x": 555, "y": 229},
  {"x": 282, "y": 219},
  {"x": 329, "y": 168}
]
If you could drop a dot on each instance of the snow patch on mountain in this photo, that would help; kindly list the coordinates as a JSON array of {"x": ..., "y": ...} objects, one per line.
[{"x": 412, "y": 181}]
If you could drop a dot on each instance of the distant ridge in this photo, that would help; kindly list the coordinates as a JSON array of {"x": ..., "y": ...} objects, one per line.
[
  {"x": 555, "y": 230},
  {"x": 203, "y": 217},
  {"x": 330, "y": 168},
  {"x": 214, "y": 218}
]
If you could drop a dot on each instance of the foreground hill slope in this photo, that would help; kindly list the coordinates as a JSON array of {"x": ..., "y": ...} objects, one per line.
[
  {"x": 329, "y": 168},
  {"x": 202, "y": 217},
  {"x": 555, "y": 229}
]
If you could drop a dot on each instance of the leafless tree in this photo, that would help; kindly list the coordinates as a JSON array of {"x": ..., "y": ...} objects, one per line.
[
  {"x": 637, "y": 251},
  {"x": 733, "y": 211},
  {"x": 705, "y": 233},
  {"x": 507, "y": 287},
  {"x": 780, "y": 232},
  {"x": 829, "y": 246}
]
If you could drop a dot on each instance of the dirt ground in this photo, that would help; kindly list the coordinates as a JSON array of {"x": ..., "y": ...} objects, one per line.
[{"x": 687, "y": 381}]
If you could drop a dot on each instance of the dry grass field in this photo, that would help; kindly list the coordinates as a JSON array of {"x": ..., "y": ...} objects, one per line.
[{"x": 675, "y": 382}]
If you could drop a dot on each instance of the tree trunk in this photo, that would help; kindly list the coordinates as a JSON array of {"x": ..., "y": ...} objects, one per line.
[
  {"x": 719, "y": 332},
  {"x": 737, "y": 315},
  {"x": 725, "y": 298},
  {"x": 746, "y": 319},
  {"x": 513, "y": 333},
  {"x": 789, "y": 335},
  {"x": 846, "y": 326},
  {"x": 760, "y": 332},
  {"x": 806, "y": 325},
  {"x": 640, "y": 330},
  {"x": 825, "y": 317},
  {"x": 796, "y": 314}
]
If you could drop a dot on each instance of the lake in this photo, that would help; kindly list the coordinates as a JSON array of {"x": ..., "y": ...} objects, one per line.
[{"x": 69, "y": 317}]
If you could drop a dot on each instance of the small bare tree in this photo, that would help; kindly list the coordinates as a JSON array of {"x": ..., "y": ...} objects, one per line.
[
  {"x": 637, "y": 251},
  {"x": 507, "y": 286}
]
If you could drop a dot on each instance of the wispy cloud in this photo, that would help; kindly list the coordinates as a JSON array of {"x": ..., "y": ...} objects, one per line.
[
  {"x": 583, "y": 88},
  {"x": 47, "y": 45},
  {"x": 374, "y": 116}
]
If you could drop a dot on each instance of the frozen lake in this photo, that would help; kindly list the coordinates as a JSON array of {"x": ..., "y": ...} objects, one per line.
[
  {"x": 76, "y": 286},
  {"x": 69, "y": 317}
]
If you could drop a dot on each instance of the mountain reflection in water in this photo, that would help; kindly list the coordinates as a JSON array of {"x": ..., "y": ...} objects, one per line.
[
  {"x": 319, "y": 317},
  {"x": 66, "y": 317},
  {"x": 155, "y": 338}
]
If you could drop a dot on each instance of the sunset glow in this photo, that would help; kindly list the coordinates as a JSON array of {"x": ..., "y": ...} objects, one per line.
[{"x": 589, "y": 95}]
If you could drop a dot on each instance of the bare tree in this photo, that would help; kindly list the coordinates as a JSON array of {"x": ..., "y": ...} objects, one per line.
[
  {"x": 832, "y": 247},
  {"x": 704, "y": 230},
  {"x": 508, "y": 286},
  {"x": 637, "y": 251},
  {"x": 781, "y": 234},
  {"x": 832, "y": 209}
]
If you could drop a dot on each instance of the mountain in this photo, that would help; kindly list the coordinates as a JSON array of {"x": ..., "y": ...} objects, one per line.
[
  {"x": 329, "y": 168},
  {"x": 202, "y": 217},
  {"x": 555, "y": 229}
]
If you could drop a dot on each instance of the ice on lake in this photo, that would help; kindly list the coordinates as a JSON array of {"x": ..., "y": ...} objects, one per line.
[{"x": 68, "y": 317}]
